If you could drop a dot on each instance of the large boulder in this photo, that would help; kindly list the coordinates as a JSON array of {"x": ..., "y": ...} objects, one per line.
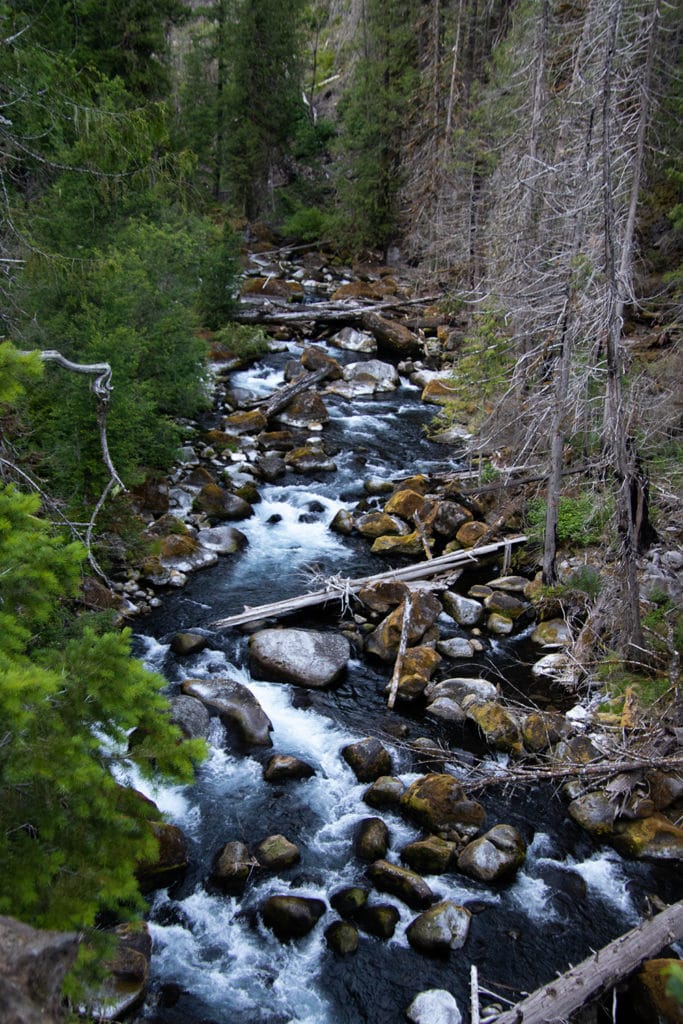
[
  {"x": 438, "y": 803},
  {"x": 500, "y": 727},
  {"x": 299, "y": 656},
  {"x": 367, "y": 758},
  {"x": 440, "y": 929},
  {"x": 384, "y": 641},
  {"x": 304, "y": 410},
  {"x": 652, "y": 838},
  {"x": 33, "y": 964},
  {"x": 342, "y": 938},
  {"x": 493, "y": 856},
  {"x": 552, "y": 633},
  {"x": 191, "y": 716},
  {"x": 386, "y": 791},
  {"x": 224, "y": 540},
  {"x": 459, "y": 687},
  {"x": 407, "y": 885},
  {"x": 309, "y": 459},
  {"x": 595, "y": 812},
  {"x": 393, "y": 338},
  {"x": 354, "y": 341},
  {"x": 236, "y": 707},
  {"x": 171, "y": 859},
  {"x": 434, "y": 1006},
  {"x": 379, "y": 524},
  {"x": 219, "y": 504},
  {"x": 291, "y": 917}
]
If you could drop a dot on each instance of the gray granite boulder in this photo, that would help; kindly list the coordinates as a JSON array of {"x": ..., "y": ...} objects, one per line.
[{"x": 299, "y": 656}]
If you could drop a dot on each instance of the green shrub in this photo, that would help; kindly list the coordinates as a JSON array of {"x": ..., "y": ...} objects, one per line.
[
  {"x": 244, "y": 342},
  {"x": 580, "y": 520},
  {"x": 307, "y": 224}
]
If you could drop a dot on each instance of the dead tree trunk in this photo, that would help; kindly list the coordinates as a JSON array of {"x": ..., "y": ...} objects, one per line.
[{"x": 601, "y": 970}]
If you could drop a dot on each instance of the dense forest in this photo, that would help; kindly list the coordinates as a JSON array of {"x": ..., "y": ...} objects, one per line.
[{"x": 521, "y": 158}]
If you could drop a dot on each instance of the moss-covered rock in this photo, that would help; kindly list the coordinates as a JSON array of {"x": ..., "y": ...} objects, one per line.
[
  {"x": 342, "y": 938},
  {"x": 385, "y": 792},
  {"x": 499, "y": 726},
  {"x": 440, "y": 929},
  {"x": 372, "y": 839},
  {"x": 401, "y": 882},
  {"x": 408, "y": 544},
  {"x": 276, "y": 853},
  {"x": 291, "y": 917},
  {"x": 430, "y": 856},
  {"x": 653, "y": 838},
  {"x": 368, "y": 759},
  {"x": 438, "y": 803}
]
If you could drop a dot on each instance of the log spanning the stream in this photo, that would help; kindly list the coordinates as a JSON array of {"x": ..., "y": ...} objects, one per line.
[
  {"x": 603, "y": 969},
  {"x": 340, "y": 588}
]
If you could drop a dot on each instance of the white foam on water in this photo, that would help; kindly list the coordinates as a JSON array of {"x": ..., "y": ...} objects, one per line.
[
  {"x": 533, "y": 897},
  {"x": 604, "y": 875},
  {"x": 274, "y": 541},
  {"x": 152, "y": 653},
  {"x": 259, "y": 378}
]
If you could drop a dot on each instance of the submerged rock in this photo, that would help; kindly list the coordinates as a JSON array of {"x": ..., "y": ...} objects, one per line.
[
  {"x": 299, "y": 656},
  {"x": 342, "y": 937}
]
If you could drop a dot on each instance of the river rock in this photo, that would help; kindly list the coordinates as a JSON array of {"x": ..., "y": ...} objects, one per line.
[
  {"x": 556, "y": 666},
  {"x": 446, "y": 709},
  {"x": 378, "y": 524},
  {"x": 191, "y": 716},
  {"x": 276, "y": 440},
  {"x": 418, "y": 665},
  {"x": 665, "y": 787},
  {"x": 273, "y": 287},
  {"x": 385, "y": 792},
  {"x": 251, "y": 422},
  {"x": 393, "y": 544},
  {"x": 470, "y": 532},
  {"x": 430, "y": 856},
  {"x": 270, "y": 467},
  {"x": 342, "y": 938},
  {"x": 438, "y": 391},
  {"x": 309, "y": 459},
  {"x": 576, "y": 750},
  {"x": 434, "y": 1006},
  {"x": 236, "y": 706},
  {"x": 653, "y": 838},
  {"x": 378, "y": 919},
  {"x": 184, "y": 644},
  {"x": 304, "y": 410},
  {"x": 232, "y": 867},
  {"x": 464, "y": 610},
  {"x": 552, "y": 633},
  {"x": 300, "y": 656},
  {"x": 649, "y": 994},
  {"x": 438, "y": 803},
  {"x": 315, "y": 358},
  {"x": 218, "y": 504},
  {"x": 393, "y": 338},
  {"x": 371, "y": 375},
  {"x": 595, "y": 812},
  {"x": 513, "y": 584},
  {"x": 372, "y": 839},
  {"x": 385, "y": 640},
  {"x": 354, "y": 341},
  {"x": 405, "y": 503},
  {"x": 224, "y": 540},
  {"x": 383, "y": 595},
  {"x": 171, "y": 859},
  {"x": 408, "y": 886},
  {"x": 343, "y": 522},
  {"x": 276, "y": 853},
  {"x": 291, "y": 917},
  {"x": 500, "y": 625},
  {"x": 448, "y": 517},
  {"x": 459, "y": 687},
  {"x": 179, "y": 554},
  {"x": 281, "y": 767},
  {"x": 348, "y": 901},
  {"x": 128, "y": 972},
  {"x": 33, "y": 964},
  {"x": 367, "y": 758},
  {"x": 540, "y": 729},
  {"x": 499, "y": 726},
  {"x": 504, "y": 604},
  {"x": 493, "y": 856},
  {"x": 440, "y": 929},
  {"x": 456, "y": 647}
]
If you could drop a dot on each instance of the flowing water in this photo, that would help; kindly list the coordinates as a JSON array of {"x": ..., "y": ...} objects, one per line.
[{"x": 214, "y": 961}]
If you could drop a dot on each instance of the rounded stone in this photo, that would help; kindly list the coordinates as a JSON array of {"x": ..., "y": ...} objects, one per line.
[
  {"x": 232, "y": 867},
  {"x": 282, "y": 767},
  {"x": 368, "y": 759},
  {"x": 348, "y": 901},
  {"x": 291, "y": 917},
  {"x": 276, "y": 853},
  {"x": 434, "y": 1006},
  {"x": 372, "y": 839},
  {"x": 378, "y": 919},
  {"x": 386, "y": 791},
  {"x": 342, "y": 938},
  {"x": 440, "y": 929},
  {"x": 406, "y": 885},
  {"x": 494, "y": 856},
  {"x": 300, "y": 656}
]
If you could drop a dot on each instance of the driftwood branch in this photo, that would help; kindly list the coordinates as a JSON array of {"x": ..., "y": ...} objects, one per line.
[
  {"x": 403, "y": 643},
  {"x": 420, "y": 570},
  {"x": 284, "y": 396},
  {"x": 601, "y": 970}
]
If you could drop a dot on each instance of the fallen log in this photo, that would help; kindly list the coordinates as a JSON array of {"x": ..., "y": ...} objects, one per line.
[
  {"x": 322, "y": 312},
  {"x": 341, "y": 588},
  {"x": 281, "y": 398},
  {"x": 601, "y": 970}
]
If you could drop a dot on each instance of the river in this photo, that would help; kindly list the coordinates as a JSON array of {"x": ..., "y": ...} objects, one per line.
[{"x": 214, "y": 961}]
